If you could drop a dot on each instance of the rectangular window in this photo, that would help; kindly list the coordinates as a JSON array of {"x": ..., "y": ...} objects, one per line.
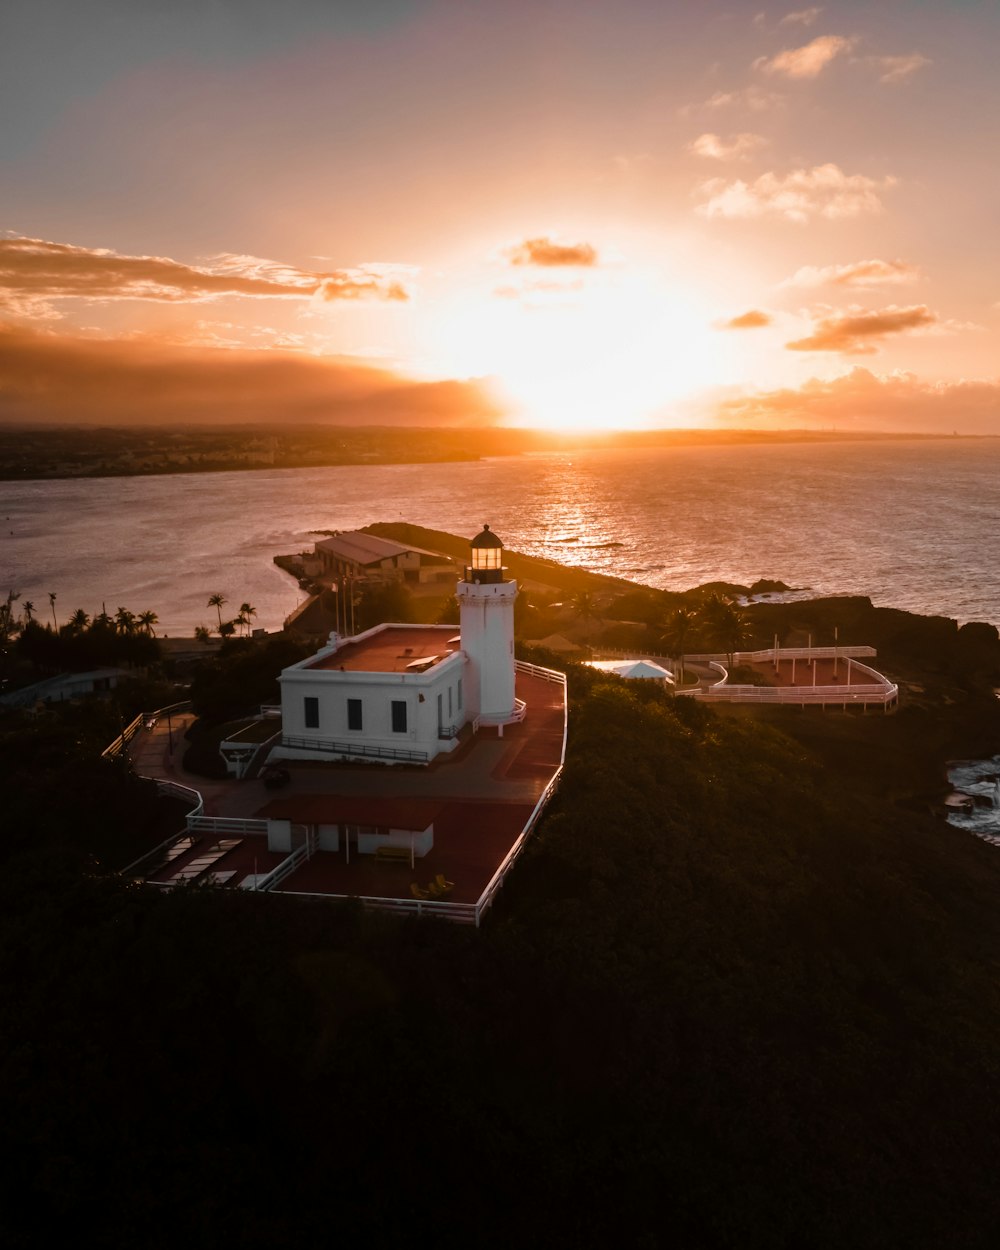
[
  {"x": 460, "y": 694},
  {"x": 311, "y": 712},
  {"x": 398, "y": 716},
  {"x": 354, "y": 714},
  {"x": 449, "y": 703}
]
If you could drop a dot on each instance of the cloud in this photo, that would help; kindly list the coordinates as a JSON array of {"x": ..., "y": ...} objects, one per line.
[
  {"x": 547, "y": 253},
  {"x": 736, "y": 147},
  {"x": 807, "y": 61},
  {"x": 60, "y": 378},
  {"x": 804, "y": 17},
  {"x": 754, "y": 98},
  {"x": 824, "y": 191},
  {"x": 858, "y": 332},
  {"x": 862, "y": 400},
  {"x": 862, "y": 273},
  {"x": 33, "y": 272},
  {"x": 751, "y": 320},
  {"x": 896, "y": 69}
]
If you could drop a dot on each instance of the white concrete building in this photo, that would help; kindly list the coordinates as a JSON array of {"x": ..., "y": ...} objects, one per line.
[{"x": 403, "y": 693}]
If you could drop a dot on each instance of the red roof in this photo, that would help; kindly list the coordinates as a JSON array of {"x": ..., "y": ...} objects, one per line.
[{"x": 341, "y": 809}]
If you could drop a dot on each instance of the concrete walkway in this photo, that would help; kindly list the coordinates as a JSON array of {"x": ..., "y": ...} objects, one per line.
[
  {"x": 481, "y": 770},
  {"x": 158, "y": 752}
]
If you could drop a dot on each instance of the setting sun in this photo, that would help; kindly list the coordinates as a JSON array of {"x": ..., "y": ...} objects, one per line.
[{"x": 581, "y": 349}]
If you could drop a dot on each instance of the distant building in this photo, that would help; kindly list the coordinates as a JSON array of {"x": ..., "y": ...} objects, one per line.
[
  {"x": 67, "y": 686},
  {"x": 356, "y": 554},
  {"x": 403, "y": 693}
]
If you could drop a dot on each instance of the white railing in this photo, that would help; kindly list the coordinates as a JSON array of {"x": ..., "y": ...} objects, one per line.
[
  {"x": 177, "y": 791},
  {"x": 495, "y": 883},
  {"x": 225, "y": 824},
  {"x": 460, "y": 913},
  {"x": 536, "y": 670},
  {"x": 144, "y": 718},
  {"x": 800, "y": 653},
  {"x": 287, "y": 866},
  {"x": 844, "y": 695},
  {"x": 124, "y": 738},
  {"x": 472, "y": 913}
]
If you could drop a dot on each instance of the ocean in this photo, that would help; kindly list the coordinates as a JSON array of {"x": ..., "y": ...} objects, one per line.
[{"x": 913, "y": 525}]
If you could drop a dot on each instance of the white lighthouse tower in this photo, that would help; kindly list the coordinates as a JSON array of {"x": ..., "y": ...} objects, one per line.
[{"x": 486, "y": 600}]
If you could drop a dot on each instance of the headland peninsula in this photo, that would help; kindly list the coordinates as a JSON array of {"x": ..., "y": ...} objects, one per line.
[{"x": 741, "y": 988}]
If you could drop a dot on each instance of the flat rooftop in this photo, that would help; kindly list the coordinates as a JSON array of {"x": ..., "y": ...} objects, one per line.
[{"x": 393, "y": 650}]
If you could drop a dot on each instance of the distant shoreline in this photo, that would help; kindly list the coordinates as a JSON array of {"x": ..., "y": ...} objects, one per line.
[{"x": 47, "y": 453}]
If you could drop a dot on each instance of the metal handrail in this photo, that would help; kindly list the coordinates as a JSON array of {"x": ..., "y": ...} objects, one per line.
[{"x": 352, "y": 749}]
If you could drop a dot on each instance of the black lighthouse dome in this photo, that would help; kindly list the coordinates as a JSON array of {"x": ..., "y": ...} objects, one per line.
[{"x": 487, "y": 557}]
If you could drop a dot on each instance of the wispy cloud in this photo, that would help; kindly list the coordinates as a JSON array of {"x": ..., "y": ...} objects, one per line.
[
  {"x": 541, "y": 293},
  {"x": 734, "y": 148},
  {"x": 861, "y": 273},
  {"x": 752, "y": 320},
  {"x": 546, "y": 252},
  {"x": 863, "y": 400},
  {"x": 804, "y": 17},
  {"x": 807, "y": 61},
  {"x": 897, "y": 69},
  {"x": 858, "y": 332},
  {"x": 754, "y": 98},
  {"x": 824, "y": 191},
  {"x": 61, "y": 378},
  {"x": 34, "y": 272}
]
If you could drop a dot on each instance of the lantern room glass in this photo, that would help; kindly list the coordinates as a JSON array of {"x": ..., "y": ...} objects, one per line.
[{"x": 486, "y": 558}]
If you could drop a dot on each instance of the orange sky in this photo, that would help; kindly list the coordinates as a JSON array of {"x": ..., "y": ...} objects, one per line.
[{"x": 559, "y": 214}]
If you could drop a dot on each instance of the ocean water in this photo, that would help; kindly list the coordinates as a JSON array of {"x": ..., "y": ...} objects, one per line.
[
  {"x": 911, "y": 524},
  {"x": 980, "y": 779}
]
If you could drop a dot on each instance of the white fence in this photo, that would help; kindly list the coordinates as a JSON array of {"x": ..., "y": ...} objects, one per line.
[
  {"x": 472, "y": 913},
  {"x": 462, "y": 913}
]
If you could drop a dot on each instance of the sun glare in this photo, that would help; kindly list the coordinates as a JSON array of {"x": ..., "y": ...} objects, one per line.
[{"x": 597, "y": 351}]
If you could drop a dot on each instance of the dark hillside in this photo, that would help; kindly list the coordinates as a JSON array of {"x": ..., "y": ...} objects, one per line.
[{"x": 725, "y": 1001}]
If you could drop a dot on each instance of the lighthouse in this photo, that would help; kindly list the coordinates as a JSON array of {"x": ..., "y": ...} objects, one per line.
[{"x": 486, "y": 600}]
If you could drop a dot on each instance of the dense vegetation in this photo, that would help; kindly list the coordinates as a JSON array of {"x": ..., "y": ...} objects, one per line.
[{"x": 728, "y": 998}]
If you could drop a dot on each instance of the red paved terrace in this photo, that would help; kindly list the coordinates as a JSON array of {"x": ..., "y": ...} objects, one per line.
[
  {"x": 479, "y": 800},
  {"x": 828, "y": 673},
  {"x": 392, "y": 650}
]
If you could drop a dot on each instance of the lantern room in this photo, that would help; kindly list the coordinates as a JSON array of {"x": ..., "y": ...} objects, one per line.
[{"x": 487, "y": 558}]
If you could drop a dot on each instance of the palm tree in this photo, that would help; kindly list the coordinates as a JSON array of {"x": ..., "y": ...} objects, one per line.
[
  {"x": 125, "y": 620},
  {"x": 246, "y": 612},
  {"x": 52, "y": 601},
  {"x": 147, "y": 620},
  {"x": 227, "y": 629},
  {"x": 28, "y": 608},
  {"x": 727, "y": 624},
  {"x": 216, "y": 601},
  {"x": 583, "y": 605},
  {"x": 678, "y": 631},
  {"x": 9, "y": 625},
  {"x": 79, "y": 621},
  {"x": 202, "y": 633}
]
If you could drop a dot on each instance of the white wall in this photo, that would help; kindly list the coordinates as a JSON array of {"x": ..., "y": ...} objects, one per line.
[{"x": 376, "y": 691}]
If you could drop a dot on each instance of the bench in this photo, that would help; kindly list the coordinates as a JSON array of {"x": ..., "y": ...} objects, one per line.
[{"x": 393, "y": 855}]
